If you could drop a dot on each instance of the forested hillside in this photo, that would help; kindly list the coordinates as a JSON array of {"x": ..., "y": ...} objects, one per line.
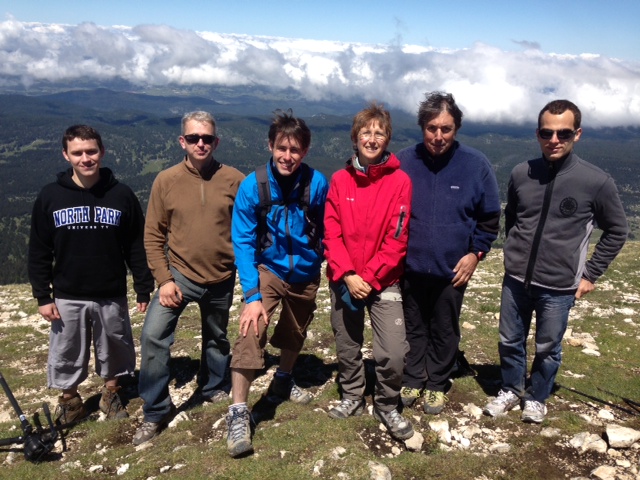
[{"x": 140, "y": 134}]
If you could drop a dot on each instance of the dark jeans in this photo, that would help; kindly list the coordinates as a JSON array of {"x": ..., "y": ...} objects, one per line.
[
  {"x": 158, "y": 336},
  {"x": 432, "y": 315},
  {"x": 552, "y": 314}
]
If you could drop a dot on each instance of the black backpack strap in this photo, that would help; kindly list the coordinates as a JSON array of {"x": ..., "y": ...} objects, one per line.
[
  {"x": 315, "y": 225},
  {"x": 264, "y": 194},
  {"x": 305, "y": 187}
]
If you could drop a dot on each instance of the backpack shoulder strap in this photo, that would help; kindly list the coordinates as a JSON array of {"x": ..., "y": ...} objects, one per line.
[
  {"x": 264, "y": 195},
  {"x": 264, "y": 189},
  {"x": 305, "y": 186},
  {"x": 315, "y": 224}
]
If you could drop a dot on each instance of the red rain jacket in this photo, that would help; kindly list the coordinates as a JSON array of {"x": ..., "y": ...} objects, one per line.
[{"x": 367, "y": 223}]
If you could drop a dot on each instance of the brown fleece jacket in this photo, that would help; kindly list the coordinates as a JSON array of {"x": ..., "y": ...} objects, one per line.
[{"x": 190, "y": 212}]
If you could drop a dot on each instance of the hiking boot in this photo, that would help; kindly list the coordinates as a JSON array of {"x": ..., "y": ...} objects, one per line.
[
  {"x": 286, "y": 389},
  {"x": 434, "y": 402},
  {"x": 533, "y": 411},
  {"x": 239, "y": 432},
  {"x": 111, "y": 405},
  {"x": 409, "y": 395},
  {"x": 398, "y": 427},
  {"x": 70, "y": 410},
  {"x": 149, "y": 430},
  {"x": 505, "y": 401},
  {"x": 348, "y": 408}
]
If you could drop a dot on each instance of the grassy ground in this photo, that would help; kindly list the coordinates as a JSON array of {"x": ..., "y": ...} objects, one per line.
[{"x": 291, "y": 440}]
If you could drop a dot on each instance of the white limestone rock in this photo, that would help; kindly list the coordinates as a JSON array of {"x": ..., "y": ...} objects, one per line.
[
  {"x": 621, "y": 437},
  {"x": 586, "y": 441},
  {"x": 414, "y": 444},
  {"x": 606, "y": 414},
  {"x": 379, "y": 471},
  {"x": 441, "y": 427},
  {"x": 500, "y": 448},
  {"x": 604, "y": 472}
]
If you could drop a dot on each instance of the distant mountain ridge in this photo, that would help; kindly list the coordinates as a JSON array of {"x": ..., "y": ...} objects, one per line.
[{"x": 140, "y": 132}]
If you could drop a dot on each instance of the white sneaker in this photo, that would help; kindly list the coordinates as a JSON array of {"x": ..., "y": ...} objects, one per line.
[
  {"x": 500, "y": 405},
  {"x": 533, "y": 411}
]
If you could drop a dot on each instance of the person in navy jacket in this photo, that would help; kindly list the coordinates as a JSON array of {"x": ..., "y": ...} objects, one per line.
[{"x": 455, "y": 214}]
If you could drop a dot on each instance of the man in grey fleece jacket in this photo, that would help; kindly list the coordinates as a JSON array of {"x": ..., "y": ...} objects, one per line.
[{"x": 553, "y": 204}]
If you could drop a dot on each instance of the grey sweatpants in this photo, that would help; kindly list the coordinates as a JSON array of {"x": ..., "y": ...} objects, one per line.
[
  {"x": 389, "y": 346},
  {"x": 107, "y": 322}
]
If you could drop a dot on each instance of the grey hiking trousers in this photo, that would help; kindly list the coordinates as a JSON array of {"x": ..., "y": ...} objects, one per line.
[{"x": 389, "y": 346}]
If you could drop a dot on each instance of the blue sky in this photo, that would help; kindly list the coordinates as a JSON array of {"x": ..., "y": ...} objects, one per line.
[
  {"x": 574, "y": 27},
  {"x": 503, "y": 60}
]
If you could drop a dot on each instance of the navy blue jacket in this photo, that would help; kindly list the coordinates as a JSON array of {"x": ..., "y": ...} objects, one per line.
[{"x": 455, "y": 208}]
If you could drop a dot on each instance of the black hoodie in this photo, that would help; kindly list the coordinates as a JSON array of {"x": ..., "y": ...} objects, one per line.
[{"x": 82, "y": 240}]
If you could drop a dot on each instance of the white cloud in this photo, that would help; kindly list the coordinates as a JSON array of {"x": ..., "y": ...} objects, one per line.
[{"x": 490, "y": 84}]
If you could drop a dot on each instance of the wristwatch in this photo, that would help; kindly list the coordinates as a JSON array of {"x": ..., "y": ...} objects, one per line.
[{"x": 480, "y": 255}]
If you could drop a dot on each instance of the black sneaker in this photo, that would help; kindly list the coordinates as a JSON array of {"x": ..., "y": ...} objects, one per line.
[{"x": 286, "y": 389}]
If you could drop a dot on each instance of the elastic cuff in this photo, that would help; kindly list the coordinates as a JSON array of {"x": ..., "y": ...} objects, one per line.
[{"x": 44, "y": 301}]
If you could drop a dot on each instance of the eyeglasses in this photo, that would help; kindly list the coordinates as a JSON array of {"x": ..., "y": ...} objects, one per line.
[
  {"x": 380, "y": 137},
  {"x": 547, "y": 134},
  {"x": 194, "y": 138}
]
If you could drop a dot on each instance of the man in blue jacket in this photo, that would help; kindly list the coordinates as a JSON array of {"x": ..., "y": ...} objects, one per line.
[
  {"x": 455, "y": 213},
  {"x": 278, "y": 248}
]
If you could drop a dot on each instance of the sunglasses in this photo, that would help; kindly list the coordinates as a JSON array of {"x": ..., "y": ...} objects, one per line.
[
  {"x": 194, "y": 138},
  {"x": 566, "y": 134}
]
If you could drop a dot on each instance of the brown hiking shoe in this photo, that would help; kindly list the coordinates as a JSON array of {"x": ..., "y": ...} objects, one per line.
[
  {"x": 70, "y": 410},
  {"x": 111, "y": 405}
]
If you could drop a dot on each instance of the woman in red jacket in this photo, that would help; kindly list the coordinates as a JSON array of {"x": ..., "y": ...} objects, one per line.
[{"x": 366, "y": 231}]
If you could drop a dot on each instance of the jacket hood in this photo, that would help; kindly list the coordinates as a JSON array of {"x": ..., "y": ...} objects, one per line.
[
  {"x": 106, "y": 182},
  {"x": 389, "y": 164}
]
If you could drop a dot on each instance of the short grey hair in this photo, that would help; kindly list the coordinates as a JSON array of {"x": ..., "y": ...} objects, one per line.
[{"x": 200, "y": 117}]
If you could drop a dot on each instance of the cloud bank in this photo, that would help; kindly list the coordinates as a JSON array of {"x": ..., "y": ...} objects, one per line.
[{"x": 491, "y": 85}]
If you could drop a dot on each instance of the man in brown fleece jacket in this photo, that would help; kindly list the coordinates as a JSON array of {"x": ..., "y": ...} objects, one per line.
[{"x": 188, "y": 243}]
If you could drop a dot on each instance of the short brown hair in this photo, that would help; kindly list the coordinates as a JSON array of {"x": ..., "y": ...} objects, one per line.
[
  {"x": 83, "y": 132},
  {"x": 285, "y": 124},
  {"x": 558, "y": 107},
  {"x": 374, "y": 112}
]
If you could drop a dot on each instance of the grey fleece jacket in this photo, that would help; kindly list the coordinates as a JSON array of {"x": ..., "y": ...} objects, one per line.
[{"x": 552, "y": 208}]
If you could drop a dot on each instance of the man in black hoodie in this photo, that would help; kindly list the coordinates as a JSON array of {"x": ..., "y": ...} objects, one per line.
[{"x": 86, "y": 228}]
